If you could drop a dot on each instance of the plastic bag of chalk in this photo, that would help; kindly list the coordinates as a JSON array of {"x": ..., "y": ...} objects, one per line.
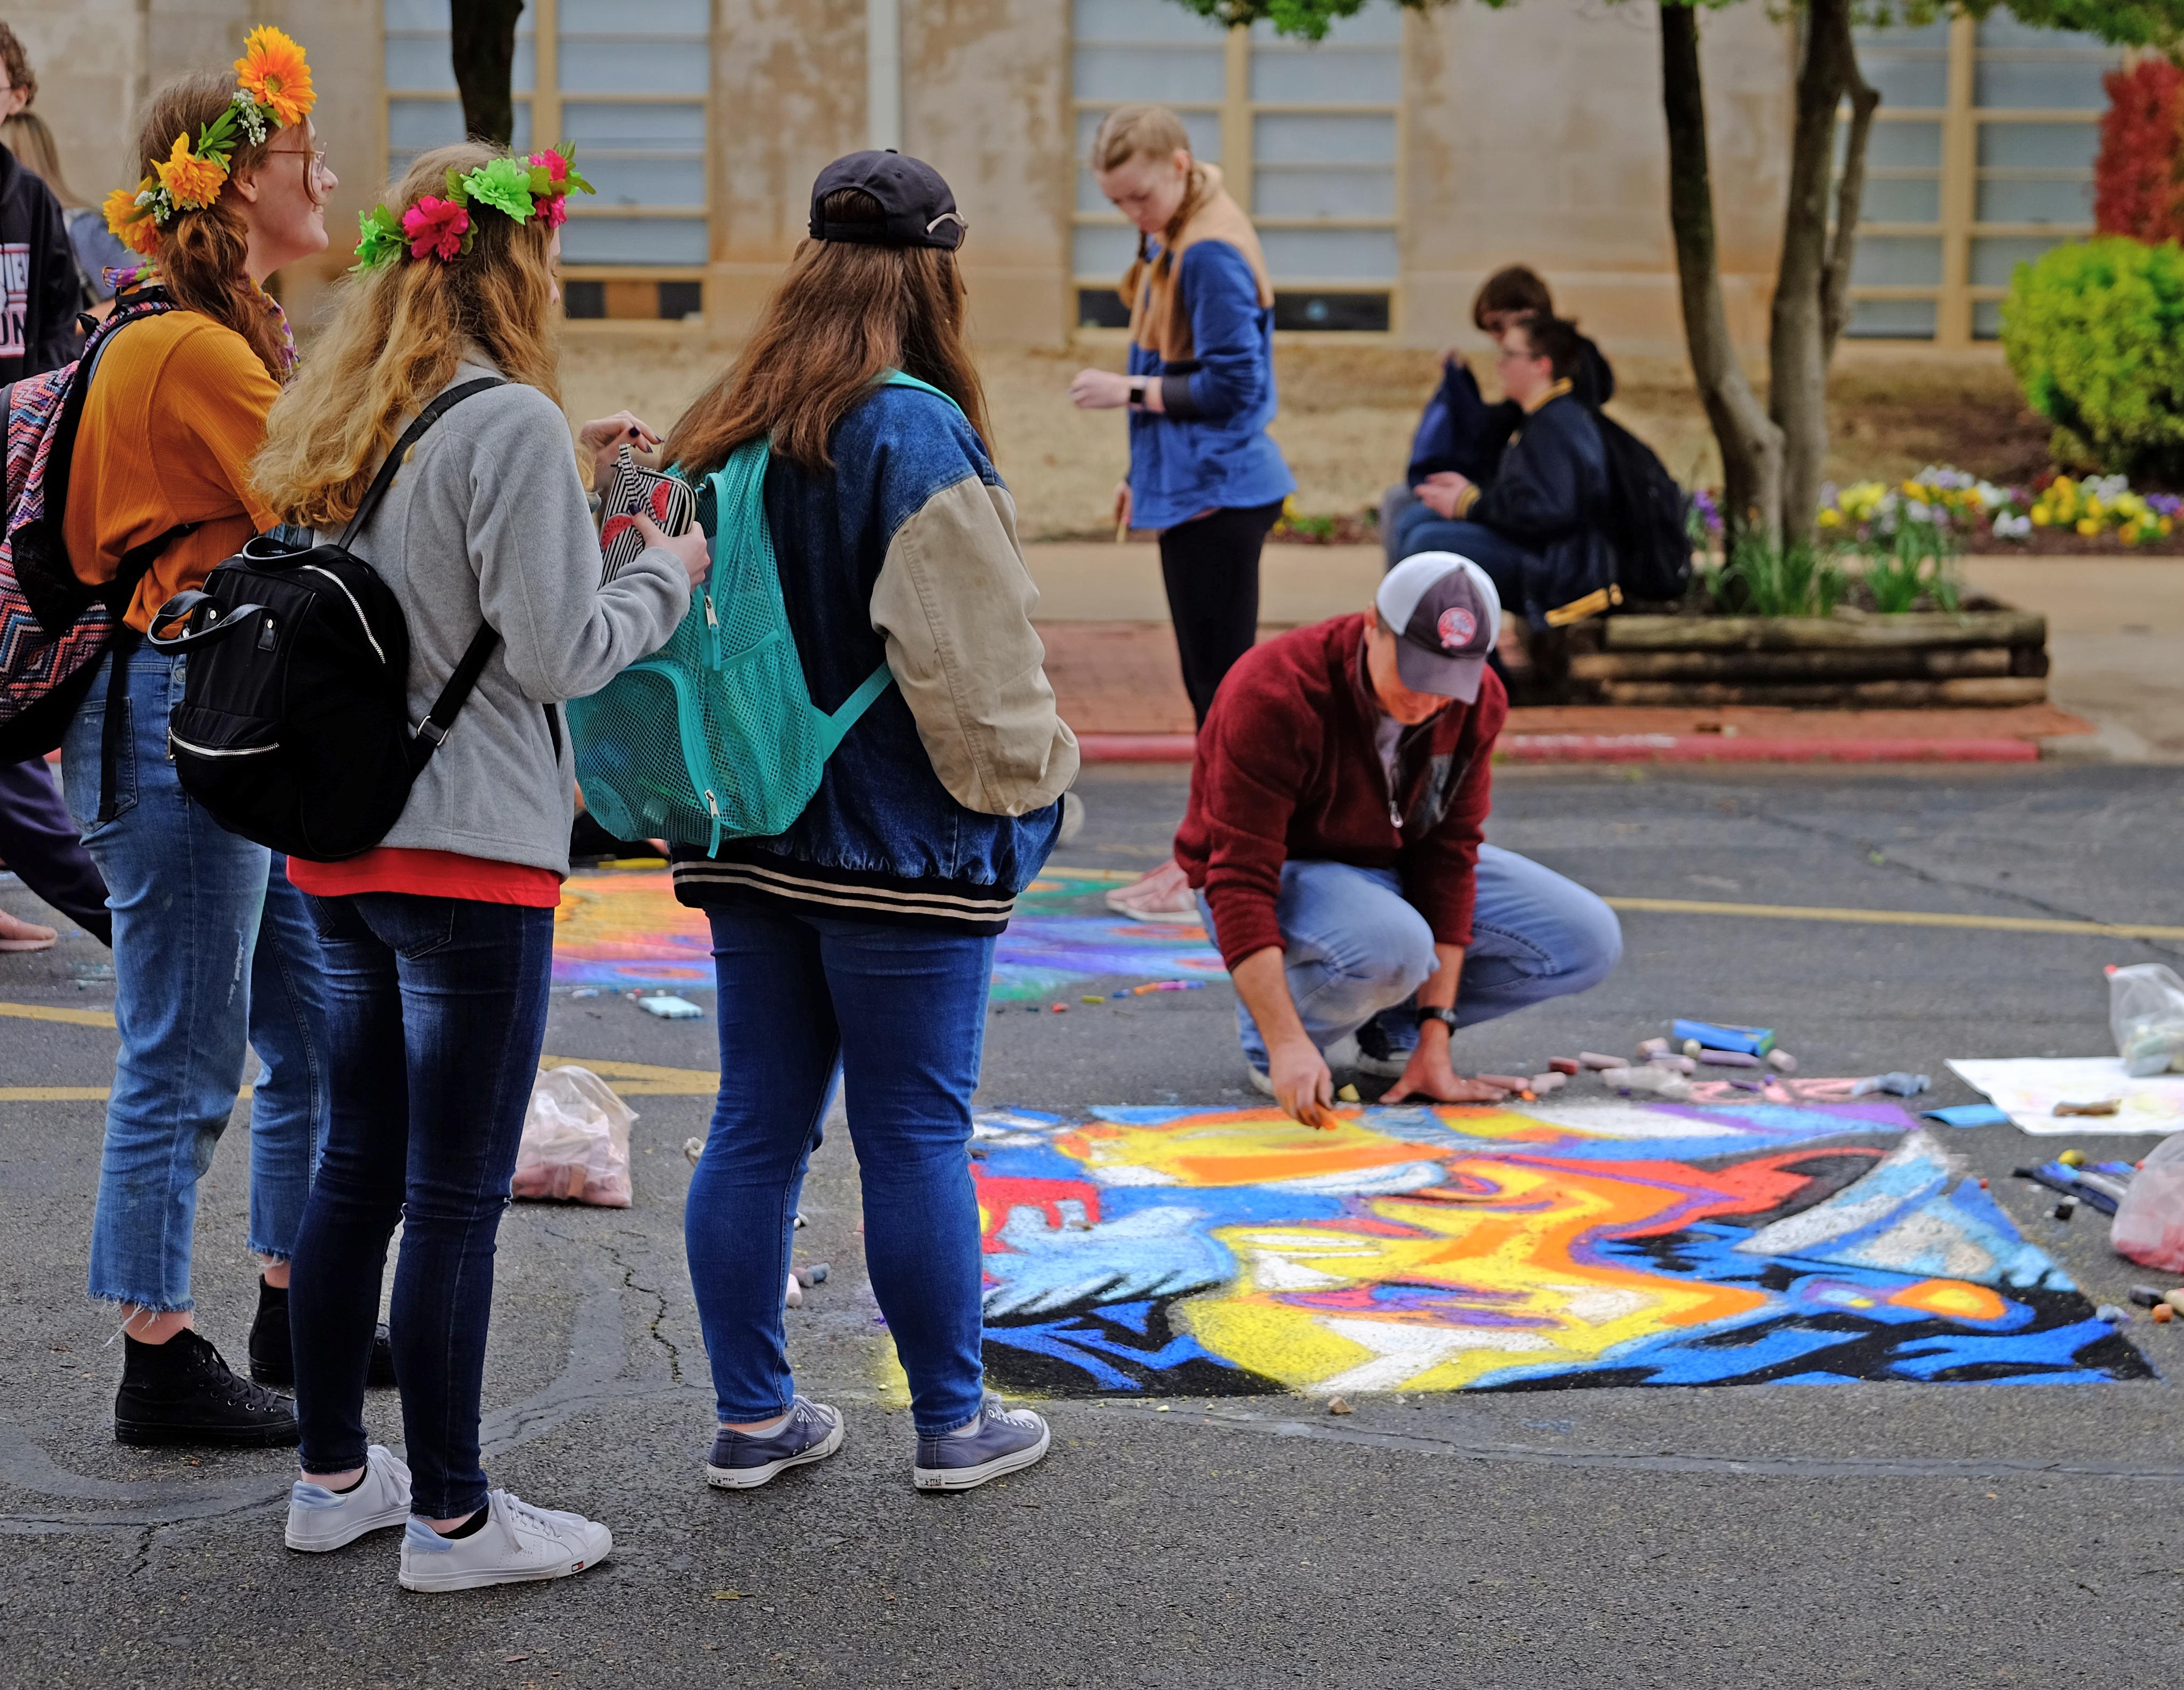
[
  {"x": 576, "y": 1141},
  {"x": 2146, "y": 1013},
  {"x": 2149, "y": 1217}
]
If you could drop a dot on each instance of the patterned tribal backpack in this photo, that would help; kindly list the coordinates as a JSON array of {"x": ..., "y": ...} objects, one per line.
[{"x": 54, "y": 629}]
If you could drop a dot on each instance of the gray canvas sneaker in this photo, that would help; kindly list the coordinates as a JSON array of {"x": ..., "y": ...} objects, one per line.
[
  {"x": 320, "y": 1519},
  {"x": 741, "y": 1461},
  {"x": 1000, "y": 1440}
]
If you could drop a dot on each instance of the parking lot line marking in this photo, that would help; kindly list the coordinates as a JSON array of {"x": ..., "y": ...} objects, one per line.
[
  {"x": 52, "y": 1094},
  {"x": 43, "y": 1011},
  {"x": 2098, "y": 929}
]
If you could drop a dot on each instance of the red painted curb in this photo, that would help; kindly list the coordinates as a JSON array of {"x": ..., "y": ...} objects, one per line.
[
  {"x": 1136, "y": 748},
  {"x": 1720, "y": 748},
  {"x": 1639, "y": 748}
]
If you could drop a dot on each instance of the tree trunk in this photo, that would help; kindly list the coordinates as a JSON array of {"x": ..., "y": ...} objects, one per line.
[
  {"x": 1750, "y": 445},
  {"x": 1811, "y": 289},
  {"x": 481, "y": 41}
]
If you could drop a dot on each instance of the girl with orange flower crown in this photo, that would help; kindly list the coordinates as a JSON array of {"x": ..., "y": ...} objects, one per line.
[{"x": 207, "y": 961}]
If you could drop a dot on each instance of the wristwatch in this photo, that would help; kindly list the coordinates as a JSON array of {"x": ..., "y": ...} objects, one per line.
[
  {"x": 1138, "y": 386},
  {"x": 1446, "y": 1017}
]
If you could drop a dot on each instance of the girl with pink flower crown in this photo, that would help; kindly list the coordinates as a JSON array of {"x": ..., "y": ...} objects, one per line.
[{"x": 439, "y": 942}]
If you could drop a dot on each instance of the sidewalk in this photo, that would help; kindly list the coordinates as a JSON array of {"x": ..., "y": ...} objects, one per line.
[{"x": 2114, "y": 625}]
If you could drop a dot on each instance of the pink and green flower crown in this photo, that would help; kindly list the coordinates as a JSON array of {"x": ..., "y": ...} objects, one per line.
[{"x": 444, "y": 228}]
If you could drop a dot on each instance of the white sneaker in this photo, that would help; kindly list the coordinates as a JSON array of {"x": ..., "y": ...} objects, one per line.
[
  {"x": 320, "y": 1519},
  {"x": 517, "y": 1544}
]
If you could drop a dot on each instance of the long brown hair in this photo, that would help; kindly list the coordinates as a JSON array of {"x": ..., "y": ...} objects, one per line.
[
  {"x": 844, "y": 314},
  {"x": 202, "y": 251},
  {"x": 24, "y": 134},
  {"x": 396, "y": 334}
]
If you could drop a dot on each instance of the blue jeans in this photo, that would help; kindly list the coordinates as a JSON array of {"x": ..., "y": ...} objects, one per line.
[
  {"x": 213, "y": 951},
  {"x": 1355, "y": 948},
  {"x": 902, "y": 1012},
  {"x": 439, "y": 1014},
  {"x": 1419, "y": 528}
]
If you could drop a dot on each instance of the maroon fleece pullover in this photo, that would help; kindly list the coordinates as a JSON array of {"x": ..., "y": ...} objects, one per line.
[{"x": 1286, "y": 768}]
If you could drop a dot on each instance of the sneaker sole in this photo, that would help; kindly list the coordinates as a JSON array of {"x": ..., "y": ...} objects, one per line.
[
  {"x": 970, "y": 1478},
  {"x": 151, "y": 1435},
  {"x": 378, "y": 1522},
  {"x": 1381, "y": 1067},
  {"x": 751, "y": 1478},
  {"x": 484, "y": 1578}
]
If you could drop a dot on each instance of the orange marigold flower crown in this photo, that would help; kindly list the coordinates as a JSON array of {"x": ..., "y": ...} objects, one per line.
[{"x": 274, "y": 92}]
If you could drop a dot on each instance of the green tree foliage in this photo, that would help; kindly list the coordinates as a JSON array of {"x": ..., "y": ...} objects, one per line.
[{"x": 2094, "y": 330}]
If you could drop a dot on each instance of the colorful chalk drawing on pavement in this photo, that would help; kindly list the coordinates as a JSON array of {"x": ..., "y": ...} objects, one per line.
[
  {"x": 1202, "y": 1252},
  {"x": 617, "y": 928}
]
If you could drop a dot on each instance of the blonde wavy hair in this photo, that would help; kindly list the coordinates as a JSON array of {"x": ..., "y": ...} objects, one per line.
[{"x": 396, "y": 336}]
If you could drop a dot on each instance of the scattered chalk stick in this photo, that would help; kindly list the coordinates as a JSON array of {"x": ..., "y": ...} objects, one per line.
[
  {"x": 669, "y": 1008},
  {"x": 816, "y": 1275},
  {"x": 1713, "y": 1058},
  {"x": 1542, "y": 1083},
  {"x": 2162, "y": 1314},
  {"x": 1652, "y": 1047},
  {"x": 1593, "y": 1059},
  {"x": 1507, "y": 1082},
  {"x": 2099, "y": 1106},
  {"x": 1565, "y": 1065},
  {"x": 1781, "y": 1062}
]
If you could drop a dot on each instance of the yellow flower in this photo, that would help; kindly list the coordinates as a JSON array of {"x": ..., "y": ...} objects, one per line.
[
  {"x": 2167, "y": 525},
  {"x": 2039, "y": 515},
  {"x": 2128, "y": 533},
  {"x": 2088, "y": 527},
  {"x": 189, "y": 179},
  {"x": 1831, "y": 519},
  {"x": 129, "y": 225},
  {"x": 273, "y": 72}
]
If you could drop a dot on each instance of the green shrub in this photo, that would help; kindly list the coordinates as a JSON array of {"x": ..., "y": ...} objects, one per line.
[
  {"x": 2094, "y": 332},
  {"x": 1762, "y": 578}
]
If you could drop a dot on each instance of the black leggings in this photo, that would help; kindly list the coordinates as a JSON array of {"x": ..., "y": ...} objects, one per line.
[{"x": 1211, "y": 566}]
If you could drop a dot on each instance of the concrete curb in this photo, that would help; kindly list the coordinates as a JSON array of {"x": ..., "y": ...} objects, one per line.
[{"x": 1641, "y": 747}]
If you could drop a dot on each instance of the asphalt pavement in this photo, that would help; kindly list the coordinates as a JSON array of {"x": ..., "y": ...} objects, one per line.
[{"x": 1840, "y": 1534}]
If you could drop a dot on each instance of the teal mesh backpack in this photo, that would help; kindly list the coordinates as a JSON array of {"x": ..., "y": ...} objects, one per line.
[{"x": 715, "y": 735}]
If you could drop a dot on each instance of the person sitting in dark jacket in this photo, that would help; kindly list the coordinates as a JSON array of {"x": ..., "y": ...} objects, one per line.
[
  {"x": 1534, "y": 524},
  {"x": 1459, "y": 431}
]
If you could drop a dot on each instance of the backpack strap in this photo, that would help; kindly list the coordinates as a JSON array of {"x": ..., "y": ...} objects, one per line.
[
  {"x": 411, "y": 436},
  {"x": 837, "y": 727},
  {"x": 432, "y": 731},
  {"x": 896, "y": 378}
]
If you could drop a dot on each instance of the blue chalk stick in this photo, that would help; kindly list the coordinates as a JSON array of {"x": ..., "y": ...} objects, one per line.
[
  {"x": 1968, "y": 1115},
  {"x": 1754, "y": 1041}
]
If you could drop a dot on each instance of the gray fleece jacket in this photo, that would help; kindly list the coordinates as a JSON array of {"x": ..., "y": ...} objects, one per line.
[{"x": 488, "y": 521}]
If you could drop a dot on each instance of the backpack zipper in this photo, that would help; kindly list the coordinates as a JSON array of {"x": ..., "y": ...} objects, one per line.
[{"x": 175, "y": 739}]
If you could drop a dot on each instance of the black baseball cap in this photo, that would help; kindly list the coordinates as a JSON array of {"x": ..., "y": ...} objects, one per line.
[
  {"x": 1446, "y": 613},
  {"x": 917, "y": 207}
]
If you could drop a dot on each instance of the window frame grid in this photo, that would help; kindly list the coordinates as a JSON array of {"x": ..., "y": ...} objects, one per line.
[
  {"x": 1959, "y": 175},
  {"x": 546, "y": 100}
]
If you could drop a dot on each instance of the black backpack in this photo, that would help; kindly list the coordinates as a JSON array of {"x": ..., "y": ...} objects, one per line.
[
  {"x": 293, "y": 729},
  {"x": 1645, "y": 518}
]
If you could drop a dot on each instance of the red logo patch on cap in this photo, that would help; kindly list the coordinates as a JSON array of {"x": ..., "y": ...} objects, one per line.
[{"x": 1456, "y": 626}]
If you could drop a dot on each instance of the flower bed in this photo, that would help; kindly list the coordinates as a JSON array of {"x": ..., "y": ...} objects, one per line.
[{"x": 1959, "y": 511}]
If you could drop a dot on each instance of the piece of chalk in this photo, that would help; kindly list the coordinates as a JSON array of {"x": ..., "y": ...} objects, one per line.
[
  {"x": 1057, "y": 1009},
  {"x": 2174, "y": 1299},
  {"x": 1337, "y": 1405},
  {"x": 1692, "y": 1047},
  {"x": 2162, "y": 1313},
  {"x": 1542, "y": 1083},
  {"x": 1781, "y": 1062},
  {"x": 1348, "y": 1094},
  {"x": 1091, "y": 997},
  {"x": 1507, "y": 1082},
  {"x": 816, "y": 1275},
  {"x": 1593, "y": 1059},
  {"x": 669, "y": 1008},
  {"x": 2145, "y": 1297},
  {"x": 1565, "y": 1065},
  {"x": 2113, "y": 1315},
  {"x": 2099, "y": 1106},
  {"x": 1652, "y": 1047},
  {"x": 1728, "y": 1058},
  {"x": 2072, "y": 1158}
]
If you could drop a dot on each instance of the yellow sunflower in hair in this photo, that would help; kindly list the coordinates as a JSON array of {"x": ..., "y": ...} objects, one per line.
[
  {"x": 132, "y": 224},
  {"x": 191, "y": 179},
  {"x": 273, "y": 72}
]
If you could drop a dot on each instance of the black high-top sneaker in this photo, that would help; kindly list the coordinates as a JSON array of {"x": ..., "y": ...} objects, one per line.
[
  {"x": 181, "y": 1392},
  {"x": 272, "y": 1351}
]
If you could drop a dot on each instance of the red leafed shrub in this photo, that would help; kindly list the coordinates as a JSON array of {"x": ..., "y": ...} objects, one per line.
[{"x": 2136, "y": 187}]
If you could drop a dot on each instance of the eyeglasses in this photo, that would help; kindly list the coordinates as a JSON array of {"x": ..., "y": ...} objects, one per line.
[{"x": 315, "y": 167}]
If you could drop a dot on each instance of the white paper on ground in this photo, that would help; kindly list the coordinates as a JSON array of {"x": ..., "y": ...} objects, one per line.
[{"x": 2028, "y": 1088}]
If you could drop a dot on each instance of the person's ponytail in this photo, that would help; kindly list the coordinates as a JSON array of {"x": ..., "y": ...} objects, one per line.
[{"x": 204, "y": 253}]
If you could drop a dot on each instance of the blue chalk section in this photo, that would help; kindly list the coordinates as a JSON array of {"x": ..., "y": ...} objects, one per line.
[
  {"x": 1092, "y": 1352},
  {"x": 1968, "y": 1115}
]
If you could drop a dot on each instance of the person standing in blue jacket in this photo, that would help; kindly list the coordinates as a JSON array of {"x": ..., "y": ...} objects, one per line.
[
  {"x": 859, "y": 941},
  {"x": 1200, "y": 393}
]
